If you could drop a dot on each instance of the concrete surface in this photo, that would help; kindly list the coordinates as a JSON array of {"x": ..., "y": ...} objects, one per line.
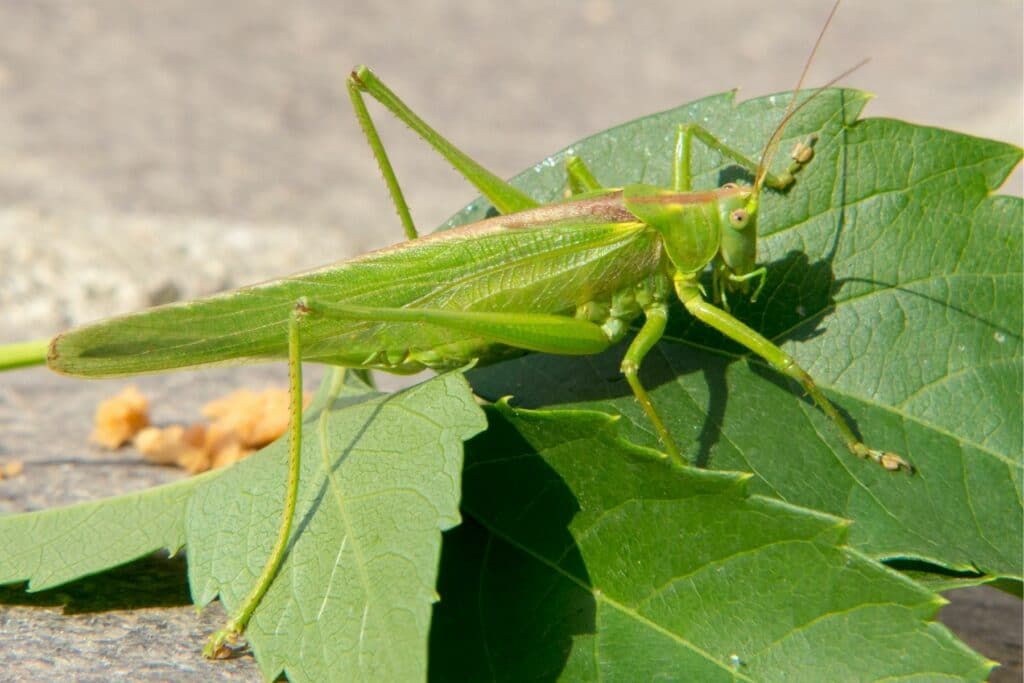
[{"x": 162, "y": 149}]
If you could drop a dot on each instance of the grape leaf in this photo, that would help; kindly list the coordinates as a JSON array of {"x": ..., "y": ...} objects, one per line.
[
  {"x": 52, "y": 547},
  {"x": 380, "y": 481},
  {"x": 603, "y": 562}
]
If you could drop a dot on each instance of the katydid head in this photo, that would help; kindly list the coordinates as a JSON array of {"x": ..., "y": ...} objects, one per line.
[
  {"x": 738, "y": 252},
  {"x": 719, "y": 227},
  {"x": 737, "y": 210}
]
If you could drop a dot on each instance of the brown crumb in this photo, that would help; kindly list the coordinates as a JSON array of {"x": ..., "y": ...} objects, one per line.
[
  {"x": 171, "y": 445},
  {"x": 229, "y": 454},
  {"x": 253, "y": 418},
  {"x": 241, "y": 423},
  {"x": 11, "y": 469},
  {"x": 120, "y": 418}
]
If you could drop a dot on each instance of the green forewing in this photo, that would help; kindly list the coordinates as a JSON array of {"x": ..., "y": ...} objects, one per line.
[
  {"x": 497, "y": 265},
  {"x": 600, "y": 565}
]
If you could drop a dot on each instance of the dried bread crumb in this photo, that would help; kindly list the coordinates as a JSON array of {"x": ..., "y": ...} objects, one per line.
[
  {"x": 240, "y": 423},
  {"x": 119, "y": 418},
  {"x": 171, "y": 445},
  {"x": 252, "y": 418}
]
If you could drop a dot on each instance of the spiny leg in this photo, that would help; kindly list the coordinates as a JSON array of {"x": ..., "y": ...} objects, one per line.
[
  {"x": 656, "y": 317},
  {"x": 690, "y": 295},
  {"x": 533, "y": 331},
  {"x": 226, "y": 642},
  {"x": 504, "y": 196},
  {"x": 682, "y": 169},
  {"x": 682, "y": 162},
  {"x": 541, "y": 332},
  {"x": 580, "y": 177},
  {"x": 386, "y": 169}
]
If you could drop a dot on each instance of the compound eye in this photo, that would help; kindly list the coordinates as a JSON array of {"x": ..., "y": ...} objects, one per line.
[{"x": 738, "y": 218}]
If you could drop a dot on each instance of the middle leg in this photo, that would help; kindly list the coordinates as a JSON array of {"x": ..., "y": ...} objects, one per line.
[{"x": 656, "y": 317}]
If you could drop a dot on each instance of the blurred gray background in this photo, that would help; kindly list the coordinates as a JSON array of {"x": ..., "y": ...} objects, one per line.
[{"x": 170, "y": 149}]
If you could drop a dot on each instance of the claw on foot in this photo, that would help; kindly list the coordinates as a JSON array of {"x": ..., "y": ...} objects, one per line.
[
  {"x": 802, "y": 152},
  {"x": 887, "y": 459},
  {"x": 893, "y": 463},
  {"x": 224, "y": 644}
]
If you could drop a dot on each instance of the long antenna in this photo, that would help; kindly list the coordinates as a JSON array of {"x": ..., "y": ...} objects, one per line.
[{"x": 771, "y": 147}]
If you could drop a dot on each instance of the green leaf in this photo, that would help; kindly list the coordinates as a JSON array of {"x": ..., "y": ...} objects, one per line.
[
  {"x": 894, "y": 278},
  {"x": 52, "y": 547},
  {"x": 380, "y": 481},
  {"x": 603, "y": 562}
]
